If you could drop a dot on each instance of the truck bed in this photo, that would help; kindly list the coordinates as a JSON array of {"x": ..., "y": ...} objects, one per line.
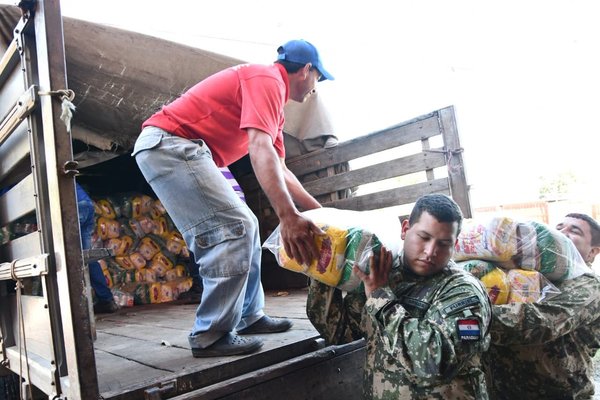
[{"x": 146, "y": 346}]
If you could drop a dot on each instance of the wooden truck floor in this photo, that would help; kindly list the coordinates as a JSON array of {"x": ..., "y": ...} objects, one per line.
[{"x": 146, "y": 347}]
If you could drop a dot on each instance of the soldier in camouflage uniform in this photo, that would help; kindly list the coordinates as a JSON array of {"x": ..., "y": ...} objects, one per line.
[
  {"x": 545, "y": 350},
  {"x": 425, "y": 322}
]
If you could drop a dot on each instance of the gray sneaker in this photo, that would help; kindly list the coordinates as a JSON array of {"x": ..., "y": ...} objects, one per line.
[
  {"x": 267, "y": 325},
  {"x": 229, "y": 345}
]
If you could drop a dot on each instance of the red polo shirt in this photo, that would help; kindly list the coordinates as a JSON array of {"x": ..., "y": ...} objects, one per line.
[{"x": 220, "y": 108}]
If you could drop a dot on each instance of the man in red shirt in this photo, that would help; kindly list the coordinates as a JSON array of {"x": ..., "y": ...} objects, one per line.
[{"x": 232, "y": 113}]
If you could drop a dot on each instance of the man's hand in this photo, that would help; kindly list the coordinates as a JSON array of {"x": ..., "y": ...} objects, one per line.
[
  {"x": 298, "y": 236},
  {"x": 380, "y": 271}
]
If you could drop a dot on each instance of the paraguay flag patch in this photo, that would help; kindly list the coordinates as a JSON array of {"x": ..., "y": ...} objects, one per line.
[{"x": 468, "y": 329}]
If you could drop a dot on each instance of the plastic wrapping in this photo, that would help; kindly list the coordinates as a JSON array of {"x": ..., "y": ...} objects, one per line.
[
  {"x": 527, "y": 245},
  {"x": 498, "y": 285},
  {"x": 352, "y": 237},
  {"x": 148, "y": 250},
  {"x": 493, "y": 278},
  {"x": 525, "y": 286},
  {"x": 512, "y": 285},
  {"x": 123, "y": 299}
]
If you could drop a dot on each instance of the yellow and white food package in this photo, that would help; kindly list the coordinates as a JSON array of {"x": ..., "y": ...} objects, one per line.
[
  {"x": 524, "y": 286},
  {"x": 498, "y": 286},
  {"x": 354, "y": 236},
  {"x": 493, "y": 239},
  {"x": 328, "y": 267},
  {"x": 493, "y": 278}
]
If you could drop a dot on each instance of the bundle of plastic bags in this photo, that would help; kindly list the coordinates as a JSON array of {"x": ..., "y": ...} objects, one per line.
[
  {"x": 150, "y": 254},
  {"x": 351, "y": 238},
  {"x": 518, "y": 261},
  {"x": 513, "y": 244},
  {"x": 512, "y": 285}
]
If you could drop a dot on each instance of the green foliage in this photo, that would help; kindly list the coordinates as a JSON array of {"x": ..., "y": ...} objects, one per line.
[{"x": 557, "y": 186}]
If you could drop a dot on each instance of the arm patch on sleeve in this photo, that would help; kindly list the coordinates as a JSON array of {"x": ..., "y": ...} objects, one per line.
[
  {"x": 460, "y": 304},
  {"x": 468, "y": 329}
]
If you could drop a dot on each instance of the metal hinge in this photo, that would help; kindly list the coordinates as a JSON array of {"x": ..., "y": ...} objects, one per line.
[{"x": 168, "y": 389}]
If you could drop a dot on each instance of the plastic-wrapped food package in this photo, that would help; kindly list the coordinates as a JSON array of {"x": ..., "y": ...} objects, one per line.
[
  {"x": 107, "y": 228},
  {"x": 328, "y": 267},
  {"x": 145, "y": 275},
  {"x": 144, "y": 292},
  {"x": 352, "y": 237},
  {"x": 524, "y": 286},
  {"x": 498, "y": 285},
  {"x": 526, "y": 245},
  {"x": 137, "y": 260},
  {"x": 123, "y": 299},
  {"x": 494, "y": 278},
  {"x": 478, "y": 268},
  {"x": 557, "y": 257},
  {"x": 512, "y": 285},
  {"x": 493, "y": 239},
  {"x": 361, "y": 245}
]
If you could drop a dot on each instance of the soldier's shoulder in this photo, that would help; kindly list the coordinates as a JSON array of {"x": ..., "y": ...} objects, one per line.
[{"x": 459, "y": 275}]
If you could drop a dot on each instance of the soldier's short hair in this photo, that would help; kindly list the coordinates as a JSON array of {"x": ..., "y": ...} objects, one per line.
[
  {"x": 594, "y": 226},
  {"x": 439, "y": 206}
]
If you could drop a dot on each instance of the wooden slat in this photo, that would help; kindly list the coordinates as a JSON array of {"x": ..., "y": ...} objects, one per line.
[
  {"x": 456, "y": 171},
  {"x": 408, "y": 132},
  {"x": 192, "y": 373},
  {"x": 170, "y": 356},
  {"x": 392, "y": 197},
  {"x": 115, "y": 372},
  {"x": 130, "y": 357},
  {"x": 374, "y": 173}
]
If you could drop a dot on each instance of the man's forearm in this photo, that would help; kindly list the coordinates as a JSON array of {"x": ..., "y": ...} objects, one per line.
[
  {"x": 297, "y": 191},
  {"x": 267, "y": 169}
]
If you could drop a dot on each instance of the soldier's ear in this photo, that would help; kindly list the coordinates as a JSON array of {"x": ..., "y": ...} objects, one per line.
[
  {"x": 593, "y": 253},
  {"x": 405, "y": 227}
]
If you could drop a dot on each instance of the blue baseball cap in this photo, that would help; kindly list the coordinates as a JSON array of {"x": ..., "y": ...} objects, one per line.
[{"x": 303, "y": 52}]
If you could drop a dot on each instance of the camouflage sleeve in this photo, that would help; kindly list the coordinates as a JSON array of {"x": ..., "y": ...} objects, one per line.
[
  {"x": 535, "y": 323},
  {"x": 336, "y": 318},
  {"x": 431, "y": 348}
]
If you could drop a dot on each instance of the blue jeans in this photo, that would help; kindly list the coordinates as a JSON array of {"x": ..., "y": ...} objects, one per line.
[
  {"x": 218, "y": 227},
  {"x": 86, "y": 226}
]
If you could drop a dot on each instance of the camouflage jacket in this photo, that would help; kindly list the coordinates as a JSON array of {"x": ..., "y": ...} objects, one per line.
[
  {"x": 425, "y": 335},
  {"x": 545, "y": 350}
]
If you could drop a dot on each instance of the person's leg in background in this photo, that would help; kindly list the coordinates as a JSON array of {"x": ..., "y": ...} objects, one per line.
[{"x": 105, "y": 302}]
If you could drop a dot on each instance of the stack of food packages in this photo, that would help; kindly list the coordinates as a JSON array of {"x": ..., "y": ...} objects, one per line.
[
  {"x": 517, "y": 261},
  {"x": 149, "y": 253}
]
